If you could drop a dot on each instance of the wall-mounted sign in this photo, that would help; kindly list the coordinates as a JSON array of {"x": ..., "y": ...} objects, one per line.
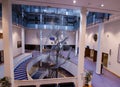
[{"x": 52, "y": 38}]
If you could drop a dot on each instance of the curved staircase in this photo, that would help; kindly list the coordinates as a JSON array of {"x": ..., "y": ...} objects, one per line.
[{"x": 20, "y": 71}]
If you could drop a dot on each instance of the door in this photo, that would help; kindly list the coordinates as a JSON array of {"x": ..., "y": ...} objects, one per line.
[{"x": 105, "y": 59}]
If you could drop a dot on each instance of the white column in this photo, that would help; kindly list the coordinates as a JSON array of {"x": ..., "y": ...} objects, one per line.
[
  {"x": 41, "y": 41},
  {"x": 41, "y": 45},
  {"x": 81, "y": 45},
  {"x": 62, "y": 20},
  {"x": 7, "y": 39},
  {"x": 40, "y": 18},
  {"x": 23, "y": 40},
  {"x": 76, "y": 43},
  {"x": 99, "y": 54}
]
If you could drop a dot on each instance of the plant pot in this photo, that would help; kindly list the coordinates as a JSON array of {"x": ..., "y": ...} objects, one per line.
[
  {"x": 90, "y": 83},
  {"x": 86, "y": 85}
]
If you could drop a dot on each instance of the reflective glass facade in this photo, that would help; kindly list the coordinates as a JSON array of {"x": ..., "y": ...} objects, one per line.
[{"x": 41, "y": 17}]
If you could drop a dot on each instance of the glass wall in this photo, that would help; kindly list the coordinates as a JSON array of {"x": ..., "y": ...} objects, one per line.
[{"x": 41, "y": 17}]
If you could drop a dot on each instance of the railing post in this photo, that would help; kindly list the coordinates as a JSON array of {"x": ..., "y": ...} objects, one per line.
[{"x": 38, "y": 85}]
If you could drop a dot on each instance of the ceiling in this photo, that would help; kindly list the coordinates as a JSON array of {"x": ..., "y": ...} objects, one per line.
[{"x": 110, "y": 6}]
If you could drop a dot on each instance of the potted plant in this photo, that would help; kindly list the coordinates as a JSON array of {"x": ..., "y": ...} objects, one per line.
[
  {"x": 88, "y": 77},
  {"x": 5, "y": 82}
]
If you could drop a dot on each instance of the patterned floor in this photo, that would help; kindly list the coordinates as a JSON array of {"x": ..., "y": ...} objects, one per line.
[
  {"x": 20, "y": 71},
  {"x": 107, "y": 79}
]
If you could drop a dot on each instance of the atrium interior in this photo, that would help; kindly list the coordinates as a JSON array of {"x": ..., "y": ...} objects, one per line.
[{"x": 49, "y": 43}]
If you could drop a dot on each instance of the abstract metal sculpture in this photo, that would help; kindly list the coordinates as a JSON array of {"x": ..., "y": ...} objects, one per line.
[{"x": 54, "y": 66}]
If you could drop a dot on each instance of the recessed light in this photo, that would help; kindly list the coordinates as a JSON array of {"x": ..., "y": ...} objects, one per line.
[
  {"x": 74, "y": 1},
  {"x": 102, "y": 5}
]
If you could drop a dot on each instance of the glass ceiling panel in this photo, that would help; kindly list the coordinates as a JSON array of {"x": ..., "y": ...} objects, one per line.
[
  {"x": 52, "y": 18},
  {"x": 48, "y": 10}
]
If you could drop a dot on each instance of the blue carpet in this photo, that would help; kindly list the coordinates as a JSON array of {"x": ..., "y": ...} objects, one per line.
[{"x": 20, "y": 71}]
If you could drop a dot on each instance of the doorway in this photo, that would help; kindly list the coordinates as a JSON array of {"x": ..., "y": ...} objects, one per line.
[{"x": 105, "y": 59}]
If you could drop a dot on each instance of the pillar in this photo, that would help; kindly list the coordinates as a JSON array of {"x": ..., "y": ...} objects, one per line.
[
  {"x": 76, "y": 43},
  {"x": 7, "y": 39},
  {"x": 82, "y": 31},
  {"x": 41, "y": 41},
  {"x": 23, "y": 40},
  {"x": 40, "y": 18},
  {"x": 99, "y": 54},
  {"x": 62, "y": 20},
  {"x": 41, "y": 45}
]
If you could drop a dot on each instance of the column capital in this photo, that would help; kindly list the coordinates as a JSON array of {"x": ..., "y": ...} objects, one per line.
[{"x": 83, "y": 10}]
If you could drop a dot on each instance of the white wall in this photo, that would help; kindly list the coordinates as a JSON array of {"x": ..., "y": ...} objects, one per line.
[
  {"x": 33, "y": 37},
  {"x": 16, "y": 37},
  {"x": 89, "y": 37},
  {"x": 71, "y": 37},
  {"x": 1, "y": 40},
  {"x": 110, "y": 40}
]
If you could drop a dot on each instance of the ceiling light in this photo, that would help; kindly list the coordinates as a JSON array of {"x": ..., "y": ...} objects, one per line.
[
  {"x": 74, "y": 1},
  {"x": 102, "y": 5}
]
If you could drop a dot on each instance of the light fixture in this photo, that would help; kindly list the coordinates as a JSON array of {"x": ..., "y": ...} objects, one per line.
[
  {"x": 45, "y": 10},
  {"x": 74, "y": 1},
  {"x": 102, "y": 5},
  {"x": 66, "y": 13}
]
